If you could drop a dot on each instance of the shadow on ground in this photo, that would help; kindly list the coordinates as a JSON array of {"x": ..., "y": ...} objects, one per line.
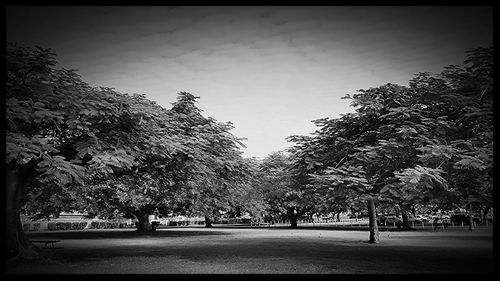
[
  {"x": 219, "y": 250},
  {"x": 210, "y": 250},
  {"x": 274, "y": 254},
  {"x": 319, "y": 227},
  {"x": 100, "y": 234}
]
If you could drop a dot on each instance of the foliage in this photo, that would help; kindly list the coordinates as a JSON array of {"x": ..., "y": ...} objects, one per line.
[
  {"x": 409, "y": 144},
  {"x": 104, "y": 152},
  {"x": 276, "y": 184},
  {"x": 202, "y": 176},
  {"x": 466, "y": 151},
  {"x": 218, "y": 177},
  {"x": 71, "y": 132},
  {"x": 286, "y": 196},
  {"x": 66, "y": 225}
]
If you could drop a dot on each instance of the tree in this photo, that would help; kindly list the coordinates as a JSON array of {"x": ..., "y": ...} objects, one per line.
[
  {"x": 275, "y": 183},
  {"x": 250, "y": 196},
  {"x": 216, "y": 172},
  {"x": 40, "y": 133},
  {"x": 287, "y": 197},
  {"x": 197, "y": 178},
  {"x": 400, "y": 139},
  {"x": 466, "y": 151},
  {"x": 155, "y": 147},
  {"x": 60, "y": 132},
  {"x": 355, "y": 156}
]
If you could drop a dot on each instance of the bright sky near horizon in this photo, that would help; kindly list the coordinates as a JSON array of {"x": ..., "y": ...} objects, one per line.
[{"x": 269, "y": 70}]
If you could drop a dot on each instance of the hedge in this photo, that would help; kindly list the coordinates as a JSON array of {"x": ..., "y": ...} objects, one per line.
[
  {"x": 181, "y": 223},
  {"x": 31, "y": 227},
  {"x": 106, "y": 225},
  {"x": 76, "y": 225},
  {"x": 66, "y": 225}
]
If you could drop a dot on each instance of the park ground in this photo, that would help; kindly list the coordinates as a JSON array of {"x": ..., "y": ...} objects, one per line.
[{"x": 278, "y": 250}]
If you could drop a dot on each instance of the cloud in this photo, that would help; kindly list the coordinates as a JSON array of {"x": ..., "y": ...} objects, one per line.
[{"x": 270, "y": 70}]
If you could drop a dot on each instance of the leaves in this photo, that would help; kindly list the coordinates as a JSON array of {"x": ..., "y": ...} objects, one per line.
[
  {"x": 59, "y": 170},
  {"x": 421, "y": 175},
  {"x": 407, "y": 143},
  {"x": 75, "y": 133},
  {"x": 469, "y": 163},
  {"x": 406, "y": 132}
]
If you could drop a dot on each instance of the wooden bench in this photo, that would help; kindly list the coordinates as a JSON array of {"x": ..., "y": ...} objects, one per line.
[{"x": 46, "y": 242}]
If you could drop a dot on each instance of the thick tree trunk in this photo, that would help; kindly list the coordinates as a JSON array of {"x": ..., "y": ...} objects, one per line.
[
  {"x": 471, "y": 221},
  {"x": 293, "y": 221},
  {"x": 18, "y": 245},
  {"x": 144, "y": 225},
  {"x": 372, "y": 223},
  {"x": 293, "y": 217},
  {"x": 404, "y": 215},
  {"x": 208, "y": 222},
  {"x": 338, "y": 216}
]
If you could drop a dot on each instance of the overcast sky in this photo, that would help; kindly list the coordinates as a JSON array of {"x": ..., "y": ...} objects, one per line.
[{"x": 269, "y": 70}]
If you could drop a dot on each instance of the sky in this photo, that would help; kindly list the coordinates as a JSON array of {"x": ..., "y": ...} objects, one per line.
[{"x": 270, "y": 70}]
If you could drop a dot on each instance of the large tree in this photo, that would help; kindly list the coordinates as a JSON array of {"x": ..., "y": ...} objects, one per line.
[
  {"x": 155, "y": 147},
  {"x": 466, "y": 151},
  {"x": 60, "y": 131},
  {"x": 400, "y": 139},
  {"x": 215, "y": 170},
  {"x": 202, "y": 174}
]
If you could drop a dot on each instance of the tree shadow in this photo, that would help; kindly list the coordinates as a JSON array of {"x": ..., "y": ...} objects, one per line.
[
  {"x": 205, "y": 251},
  {"x": 210, "y": 250},
  {"x": 102, "y": 234},
  {"x": 322, "y": 227},
  {"x": 287, "y": 227}
]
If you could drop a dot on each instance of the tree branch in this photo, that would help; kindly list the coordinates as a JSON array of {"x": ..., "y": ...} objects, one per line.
[
  {"x": 340, "y": 162},
  {"x": 484, "y": 91}
]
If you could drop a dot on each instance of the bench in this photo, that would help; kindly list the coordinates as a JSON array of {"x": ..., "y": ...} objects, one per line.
[{"x": 46, "y": 242}]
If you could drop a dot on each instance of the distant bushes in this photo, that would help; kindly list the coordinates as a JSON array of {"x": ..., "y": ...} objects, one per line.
[
  {"x": 80, "y": 225},
  {"x": 108, "y": 225},
  {"x": 104, "y": 225},
  {"x": 184, "y": 223},
  {"x": 178, "y": 223},
  {"x": 31, "y": 226},
  {"x": 66, "y": 225}
]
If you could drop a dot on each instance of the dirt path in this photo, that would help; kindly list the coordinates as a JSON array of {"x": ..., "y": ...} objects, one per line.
[{"x": 266, "y": 250}]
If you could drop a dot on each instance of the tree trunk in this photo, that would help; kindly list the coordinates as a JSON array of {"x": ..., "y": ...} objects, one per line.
[
  {"x": 338, "y": 216},
  {"x": 471, "y": 221},
  {"x": 372, "y": 224},
  {"x": 208, "y": 222},
  {"x": 144, "y": 225},
  {"x": 484, "y": 214},
  {"x": 293, "y": 216},
  {"x": 293, "y": 221},
  {"x": 354, "y": 212},
  {"x": 18, "y": 245},
  {"x": 404, "y": 215}
]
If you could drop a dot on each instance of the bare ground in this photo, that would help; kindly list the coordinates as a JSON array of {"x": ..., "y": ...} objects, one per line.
[{"x": 244, "y": 250}]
